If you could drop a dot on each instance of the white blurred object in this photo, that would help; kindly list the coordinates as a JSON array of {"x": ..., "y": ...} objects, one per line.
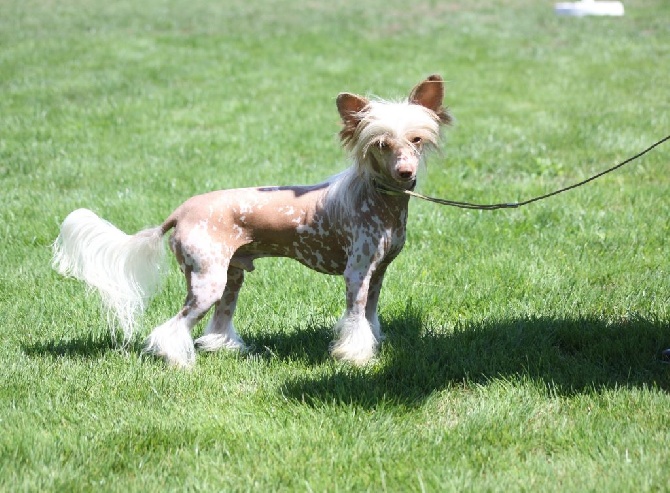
[{"x": 589, "y": 7}]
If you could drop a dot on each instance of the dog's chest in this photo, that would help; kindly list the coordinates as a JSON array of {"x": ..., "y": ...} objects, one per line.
[
  {"x": 377, "y": 234},
  {"x": 332, "y": 250}
]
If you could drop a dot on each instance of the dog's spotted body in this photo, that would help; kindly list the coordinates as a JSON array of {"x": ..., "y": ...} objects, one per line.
[{"x": 343, "y": 226}]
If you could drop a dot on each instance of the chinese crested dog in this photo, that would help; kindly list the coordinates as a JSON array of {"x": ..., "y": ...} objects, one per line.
[{"x": 352, "y": 224}]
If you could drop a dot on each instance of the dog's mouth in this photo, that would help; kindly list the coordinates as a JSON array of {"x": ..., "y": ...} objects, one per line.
[
  {"x": 395, "y": 188},
  {"x": 407, "y": 184}
]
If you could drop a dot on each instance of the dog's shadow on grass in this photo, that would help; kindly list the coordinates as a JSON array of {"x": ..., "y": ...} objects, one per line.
[
  {"x": 569, "y": 356},
  {"x": 89, "y": 346}
]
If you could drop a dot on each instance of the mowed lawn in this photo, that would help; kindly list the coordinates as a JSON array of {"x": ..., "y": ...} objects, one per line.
[{"x": 523, "y": 348}]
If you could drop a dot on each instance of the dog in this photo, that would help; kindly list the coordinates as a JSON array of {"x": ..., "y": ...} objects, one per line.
[{"x": 352, "y": 224}]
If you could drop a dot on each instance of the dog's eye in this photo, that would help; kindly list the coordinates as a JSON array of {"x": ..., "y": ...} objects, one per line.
[
  {"x": 416, "y": 140},
  {"x": 383, "y": 145}
]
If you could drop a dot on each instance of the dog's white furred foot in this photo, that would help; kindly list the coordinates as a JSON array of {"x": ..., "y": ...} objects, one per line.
[
  {"x": 172, "y": 341},
  {"x": 216, "y": 341},
  {"x": 220, "y": 334},
  {"x": 356, "y": 342}
]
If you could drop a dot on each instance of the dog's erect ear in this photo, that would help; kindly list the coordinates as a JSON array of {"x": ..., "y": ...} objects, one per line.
[
  {"x": 350, "y": 106},
  {"x": 430, "y": 94}
]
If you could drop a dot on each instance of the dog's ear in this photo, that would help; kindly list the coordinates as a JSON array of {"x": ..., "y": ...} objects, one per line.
[
  {"x": 430, "y": 94},
  {"x": 350, "y": 107}
]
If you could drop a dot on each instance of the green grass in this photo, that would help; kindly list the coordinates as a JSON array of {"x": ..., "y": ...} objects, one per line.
[{"x": 523, "y": 348}]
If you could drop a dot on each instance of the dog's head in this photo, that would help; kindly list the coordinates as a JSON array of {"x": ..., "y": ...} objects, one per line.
[{"x": 389, "y": 139}]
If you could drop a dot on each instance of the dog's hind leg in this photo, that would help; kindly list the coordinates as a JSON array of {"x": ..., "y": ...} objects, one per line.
[
  {"x": 172, "y": 340},
  {"x": 220, "y": 333}
]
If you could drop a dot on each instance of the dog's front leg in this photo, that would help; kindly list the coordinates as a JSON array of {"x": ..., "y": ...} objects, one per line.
[
  {"x": 373, "y": 299},
  {"x": 356, "y": 341}
]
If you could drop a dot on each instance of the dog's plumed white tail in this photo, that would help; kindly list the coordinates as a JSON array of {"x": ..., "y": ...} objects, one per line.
[{"x": 125, "y": 269}]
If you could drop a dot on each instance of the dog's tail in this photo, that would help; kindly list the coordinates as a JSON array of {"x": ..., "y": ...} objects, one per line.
[{"x": 126, "y": 270}]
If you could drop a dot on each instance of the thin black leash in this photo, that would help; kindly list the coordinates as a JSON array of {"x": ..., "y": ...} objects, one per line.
[{"x": 514, "y": 205}]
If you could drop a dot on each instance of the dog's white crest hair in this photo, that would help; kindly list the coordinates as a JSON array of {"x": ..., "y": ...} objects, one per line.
[
  {"x": 126, "y": 270},
  {"x": 382, "y": 119},
  {"x": 379, "y": 121}
]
